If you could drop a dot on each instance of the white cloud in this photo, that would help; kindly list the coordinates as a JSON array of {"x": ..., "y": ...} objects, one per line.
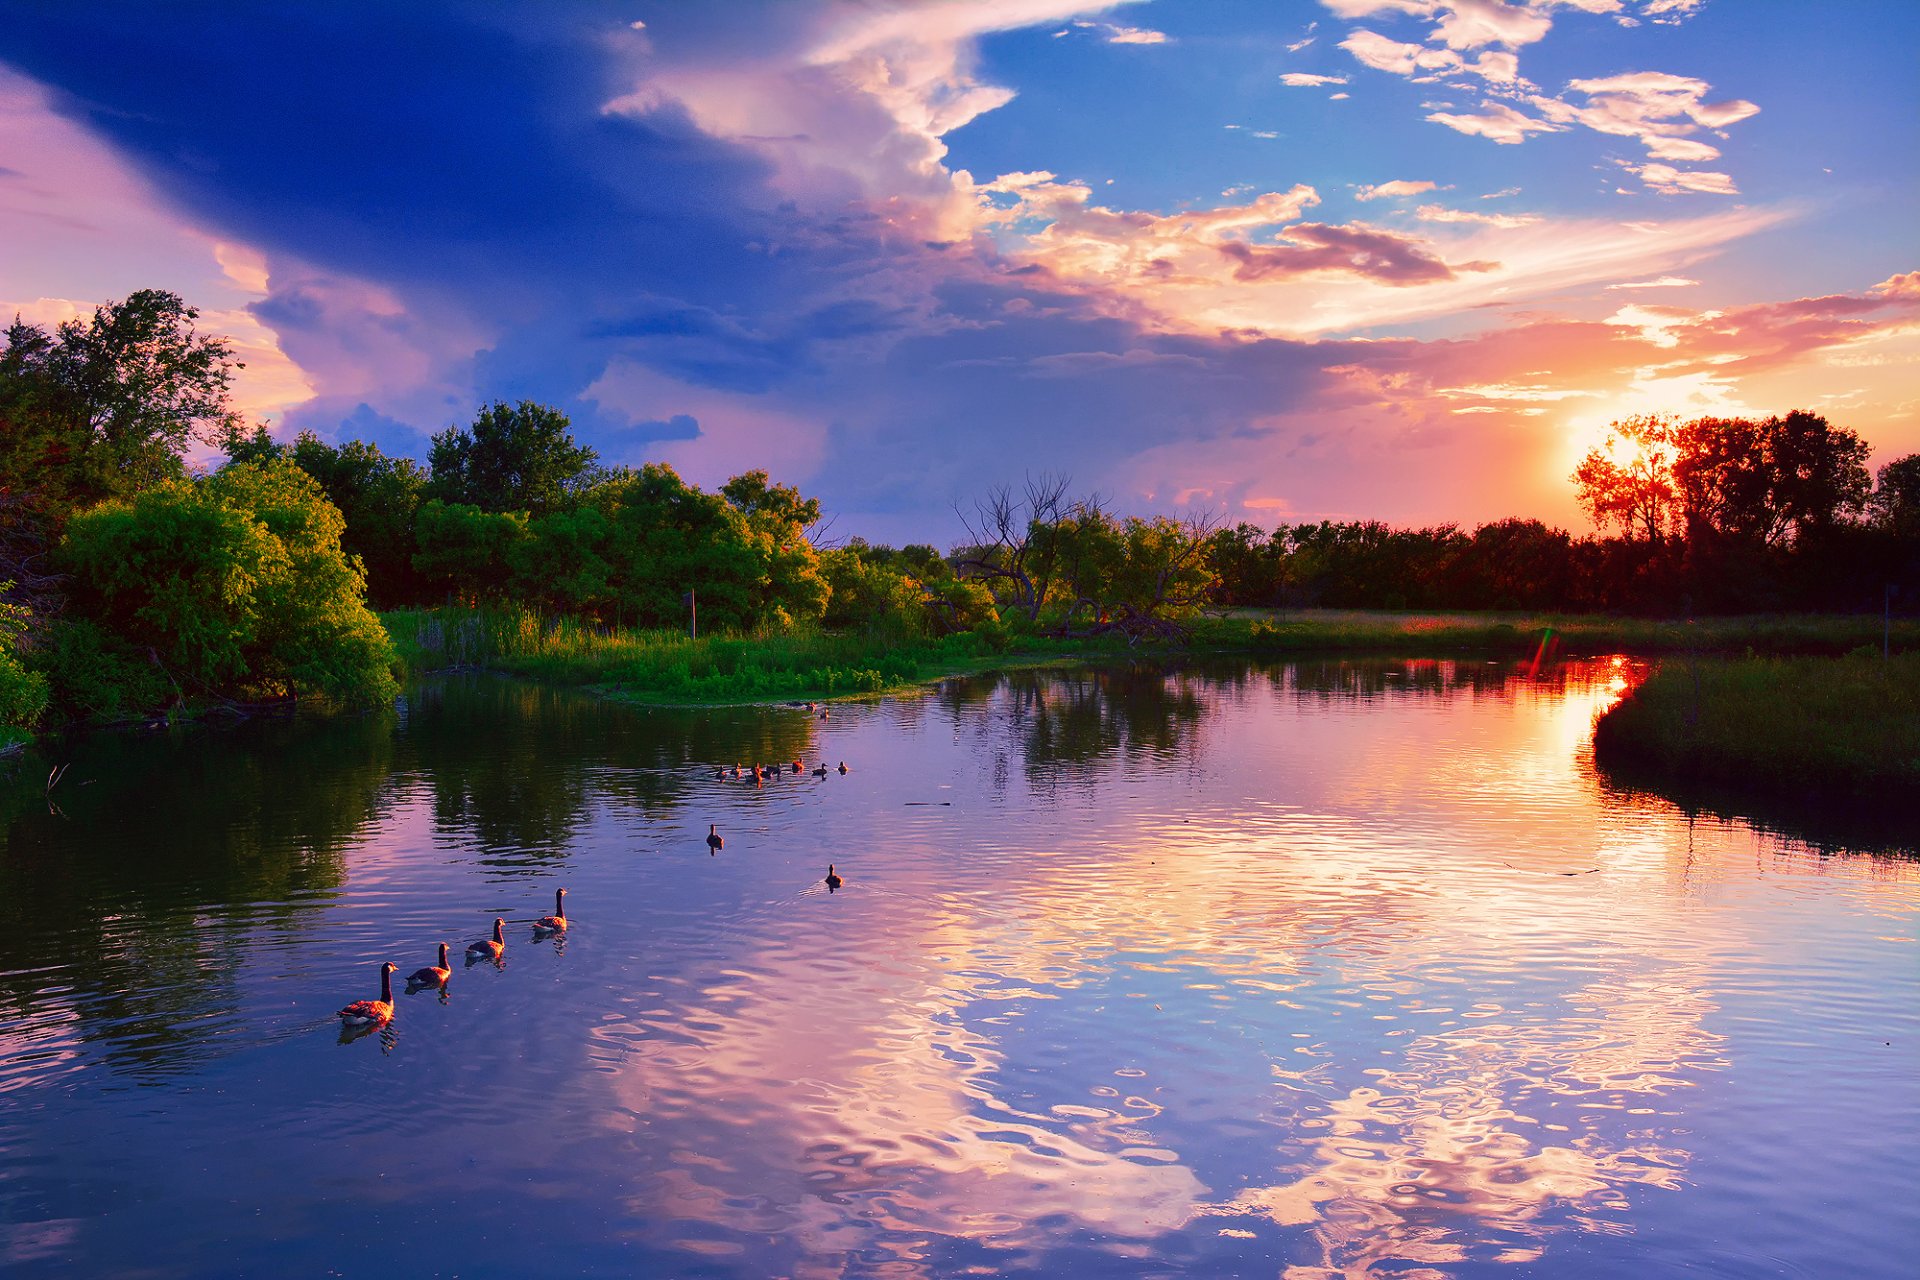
[
  {"x": 1302, "y": 80},
  {"x": 1497, "y": 121},
  {"x": 1667, "y": 180},
  {"x": 1437, "y": 213},
  {"x": 1664, "y": 282},
  {"x": 1398, "y": 187},
  {"x": 1125, "y": 35}
]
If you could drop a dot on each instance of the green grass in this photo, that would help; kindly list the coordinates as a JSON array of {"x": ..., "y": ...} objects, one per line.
[
  {"x": 1318, "y": 630},
  {"x": 1784, "y": 725},
  {"x": 667, "y": 667}
]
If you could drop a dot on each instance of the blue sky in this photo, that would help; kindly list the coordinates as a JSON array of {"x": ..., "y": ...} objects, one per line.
[{"x": 1329, "y": 258}]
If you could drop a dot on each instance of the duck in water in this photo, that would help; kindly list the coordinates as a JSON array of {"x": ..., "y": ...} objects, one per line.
[
  {"x": 493, "y": 948},
  {"x": 715, "y": 841},
  {"x": 433, "y": 975},
  {"x": 833, "y": 880},
  {"x": 372, "y": 1013}
]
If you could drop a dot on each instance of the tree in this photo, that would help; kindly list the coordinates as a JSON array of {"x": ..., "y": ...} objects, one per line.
[
  {"x": 233, "y": 586},
  {"x": 1774, "y": 482},
  {"x": 1082, "y": 570},
  {"x": 1896, "y": 499},
  {"x": 514, "y": 458},
  {"x": 1629, "y": 481},
  {"x": 110, "y": 406}
]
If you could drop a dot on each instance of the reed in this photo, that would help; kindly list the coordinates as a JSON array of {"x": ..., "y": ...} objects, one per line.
[
  {"x": 1791, "y": 725},
  {"x": 668, "y": 666},
  {"x": 1326, "y": 630}
]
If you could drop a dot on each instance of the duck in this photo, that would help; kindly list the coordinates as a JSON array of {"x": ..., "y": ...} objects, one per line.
[
  {"x": 821, "y": 772},
  {"x": 798, "y": 767},
  {"x": 557, "y": 922},
  {"x": 373, "y": 1013},
  {"x": 491, "y": 948},
  {"x": 833, "y": 880},
  {"x": 736, "y": 771},
  {"x": 434, "y": 974},
  {"x": 715, "y": 841},
  {"x": 719, "y": 773},
  {"x": 843, "y": 766},
  {"x": 823, "y": 713}
]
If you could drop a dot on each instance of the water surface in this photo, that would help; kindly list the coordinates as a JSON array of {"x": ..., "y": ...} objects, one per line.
[{"x": 1319, "y": 969}]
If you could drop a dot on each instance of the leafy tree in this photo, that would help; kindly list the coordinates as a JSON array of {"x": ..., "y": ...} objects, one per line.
[
  {"x": 234, "y": 585},
  {"x": 467, "y": 553},
  {"x": 1896, "y": 498},
  {"x": 1775, "y": 481},
  {"x": 23, "y": 693},
  {"x": 109, "y": 406},
  {"x": 1629, "y": 481},
  {"x": 514, "y": 458}
]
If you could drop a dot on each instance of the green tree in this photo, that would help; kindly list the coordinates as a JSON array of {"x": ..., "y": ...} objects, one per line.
[
  {"x": 109, "y": 406},
  {"x": 234, "y": 586},
  {"x": 1773, "y": 482},
  {"x": 514, "y": 458},
  {"x": 466, "y": 553},
  {"x": 1895, "y": 505}
]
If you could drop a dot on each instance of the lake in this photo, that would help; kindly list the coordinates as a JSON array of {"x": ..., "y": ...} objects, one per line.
[{"x": 1312, "y": 969}]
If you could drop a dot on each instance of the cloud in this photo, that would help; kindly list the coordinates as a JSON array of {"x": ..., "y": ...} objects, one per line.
[
  {"x": 1664, "y": 282},
  {"x": 1389, "y": 190},
  {"x": 1436, "y": 213},
  {"x": 1425, "y": 65},
  {"x": 1497, "y": 121},
  {"x": 1667, "y": 180},
  {"x": 1662, "y": 111},
  {"x": 1303, "y": 80},
  {"x": 1375, "y": 255}
]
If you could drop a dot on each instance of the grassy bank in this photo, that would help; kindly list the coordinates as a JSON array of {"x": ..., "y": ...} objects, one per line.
[
  {"x": 1321, "y": 630},
  {"x": 667, "y": 667},
  {"x": 1793, "y": 726}
]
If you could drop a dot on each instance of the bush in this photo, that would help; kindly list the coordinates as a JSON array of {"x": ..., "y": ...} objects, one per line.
[{"x": 235, "y": 585}]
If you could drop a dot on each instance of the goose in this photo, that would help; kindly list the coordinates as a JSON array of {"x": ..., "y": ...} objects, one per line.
[
  {"x": 715, "y": 841},
  {"x": 736, "y": 771},
  {"x": 373, "y": 1013},
  {"x": 491, "y": 948},
  {"x": 833, "y": 880},
  {"x": 434, "y": 974},
  {"x": 557, "y": 922},
  {"x": 821, "y": 772},
  {"x": 843, "y": 766},
  {"x": 798, "y": 767}
]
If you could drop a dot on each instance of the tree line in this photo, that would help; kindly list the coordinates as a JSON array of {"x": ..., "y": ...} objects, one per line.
[{"x": 132, "y": 585}]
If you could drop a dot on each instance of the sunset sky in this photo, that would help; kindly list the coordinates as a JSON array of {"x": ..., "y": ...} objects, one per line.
[{"x": 1279, "y": 259}]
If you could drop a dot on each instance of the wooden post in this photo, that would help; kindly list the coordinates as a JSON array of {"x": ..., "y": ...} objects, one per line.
[{"x": 693, "y": 617}]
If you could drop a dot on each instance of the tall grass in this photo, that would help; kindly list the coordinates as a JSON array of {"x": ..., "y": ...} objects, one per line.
[
  {"x": 1796, "y": 725},
  {"x": 1330, "y": 629},
  {"x": 667, "y": 666}
]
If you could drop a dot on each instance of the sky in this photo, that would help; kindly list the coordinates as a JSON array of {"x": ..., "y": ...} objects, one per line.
[{"x": 1275, "y": 260}]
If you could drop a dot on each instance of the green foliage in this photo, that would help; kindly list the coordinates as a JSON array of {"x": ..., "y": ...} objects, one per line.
[
  {"x": 234, "y": 585},
  {"x": 108, "y": 406},
  {"x": 668, "y": 666},
  {"x": 1896, "y": 498},
  {"x": 1837, "y": 724},
  {"x": 23, "y": 693},
  {"x": 465, "y": 552},
  {"x": 514, "y": 458}
]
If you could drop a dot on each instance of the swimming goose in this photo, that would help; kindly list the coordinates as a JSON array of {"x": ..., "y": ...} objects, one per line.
[
  {"x": 557, "y": 922},
  {"x": 491, "y": 948},
  {"x": 434, "y": 974},
  {"x": 715, "y": 841},
  {"x": 373, "y": 1013},
  {"x": 833, "y": 881},
  {"x": 843, "y": 766}
]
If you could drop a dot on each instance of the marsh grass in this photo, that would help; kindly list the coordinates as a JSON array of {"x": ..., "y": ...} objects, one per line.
[
  {"x": 1312, "y": 630},
  {"x": 1785, "y": 725},
  {"x": 668, "y": 667}
]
